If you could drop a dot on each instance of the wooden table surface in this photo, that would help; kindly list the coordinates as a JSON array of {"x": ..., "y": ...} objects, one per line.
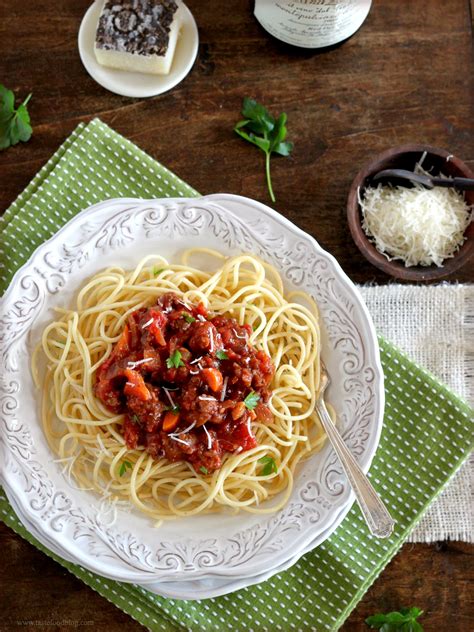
[{"x": 406, "y": 76}]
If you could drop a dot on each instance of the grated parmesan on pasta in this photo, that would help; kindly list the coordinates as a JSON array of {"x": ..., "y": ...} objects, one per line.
[{"x": 417, "y": 225}]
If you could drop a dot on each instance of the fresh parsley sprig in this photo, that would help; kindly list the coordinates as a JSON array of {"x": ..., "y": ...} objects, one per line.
[
  {"x": 14, "y": 124},
  {"x": 251, "y": 400},
  {"x": 174, "y": 361},
  {"x": 403, "y": 621},
  {"x": 269, "y": 465},
  {"x": 260, "y": 128},
  {"x": 124, "y": 466}
]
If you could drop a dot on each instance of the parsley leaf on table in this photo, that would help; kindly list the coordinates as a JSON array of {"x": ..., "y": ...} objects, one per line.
[
  {"x": 14, "y": 124},
  {"x": 251, "y": 400},
  {"x": 269, "y": 465},
  {"x": 174, "y": 361},
  {"x": 260, "y": 128},
  {"x": 403, "y": 621}
]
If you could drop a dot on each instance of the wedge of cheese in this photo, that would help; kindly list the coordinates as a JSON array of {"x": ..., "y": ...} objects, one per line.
[{"x": 138, "y": 35}]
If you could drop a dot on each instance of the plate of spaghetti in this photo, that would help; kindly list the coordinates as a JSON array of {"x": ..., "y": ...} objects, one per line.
[{"x": 161, "y": 366}]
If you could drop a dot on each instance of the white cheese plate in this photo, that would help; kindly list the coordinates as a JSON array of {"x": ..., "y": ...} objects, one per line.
[{"x": 137, "y": 84}]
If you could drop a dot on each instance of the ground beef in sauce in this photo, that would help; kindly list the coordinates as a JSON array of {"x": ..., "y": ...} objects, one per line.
[{"x": 183, "y": 379}]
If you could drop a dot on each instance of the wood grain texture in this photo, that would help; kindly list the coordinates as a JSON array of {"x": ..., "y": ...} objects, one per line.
[
  {"x": 405, "y": 77},
  {"x": 438, "y": 578}
]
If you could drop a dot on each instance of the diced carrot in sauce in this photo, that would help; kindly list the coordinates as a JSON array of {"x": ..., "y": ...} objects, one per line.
[
  {"x": 214, "y": 379},
  {"x": 135, "y": 385},
  {"x": 238, "y": 411},
  {"x": 170, "y": 421},
  {"x": 122, "y": 346},
  {"x": 157, "y": 332}
]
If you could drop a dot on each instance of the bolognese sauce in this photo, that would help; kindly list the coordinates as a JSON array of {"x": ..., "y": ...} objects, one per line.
[{"x": 189, "y": 383}]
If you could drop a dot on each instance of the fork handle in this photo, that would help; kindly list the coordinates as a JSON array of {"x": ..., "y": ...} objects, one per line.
[{"x": 378, "y": 519}]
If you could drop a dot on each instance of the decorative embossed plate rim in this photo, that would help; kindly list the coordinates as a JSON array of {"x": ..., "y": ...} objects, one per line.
[
  {"x": 239, "y": 546},
  {"x": 203, "y": 588}
]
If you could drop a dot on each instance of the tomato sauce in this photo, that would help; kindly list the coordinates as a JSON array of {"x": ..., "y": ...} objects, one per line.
[{"x": 189, "y": 383}]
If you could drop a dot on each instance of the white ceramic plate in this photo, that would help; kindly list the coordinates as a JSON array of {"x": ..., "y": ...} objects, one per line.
[
  {"x": 137, "y": 84},
  {"x": 218, "y": 586},
  {"x": 243, "y": 546},
  {"x": 191, "y": 590}
]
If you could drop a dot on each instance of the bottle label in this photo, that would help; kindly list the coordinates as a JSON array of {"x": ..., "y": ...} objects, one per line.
[{"x": 311, "y": 23}]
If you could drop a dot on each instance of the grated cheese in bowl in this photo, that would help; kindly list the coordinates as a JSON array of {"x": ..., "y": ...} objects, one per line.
[{"x": 417, "y": 225}]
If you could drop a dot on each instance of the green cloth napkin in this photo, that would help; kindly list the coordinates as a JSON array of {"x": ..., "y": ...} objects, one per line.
[{"x": 426, "y": 436}]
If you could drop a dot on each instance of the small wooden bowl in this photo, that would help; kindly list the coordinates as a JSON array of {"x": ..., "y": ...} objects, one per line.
[{"x": 405, "y": 157}]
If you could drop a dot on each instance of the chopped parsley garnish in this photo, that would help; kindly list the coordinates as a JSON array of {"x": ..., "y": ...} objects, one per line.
[
  {"x": 157, "y": 271},
  {"x": 136, "y": 419},
  {"x": 251, "y": 400},
  {"x": 188, "y": 318},
  {"x": 269, "y": 465},
  {"x": 221, "y": 354},
  {"x": 203, "y": 469},
  {"x": 405, "y": 621},
  {"x": 174, "y": 361},
  {"x": 124, "y": 466},
  {"x": 174, "y": 409}
]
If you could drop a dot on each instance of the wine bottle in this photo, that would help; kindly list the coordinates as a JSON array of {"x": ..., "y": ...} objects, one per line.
[{"x": 312, "y": 23}]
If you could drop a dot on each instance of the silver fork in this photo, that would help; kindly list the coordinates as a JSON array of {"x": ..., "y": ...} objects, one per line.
[{"x": 376, "y": 515}]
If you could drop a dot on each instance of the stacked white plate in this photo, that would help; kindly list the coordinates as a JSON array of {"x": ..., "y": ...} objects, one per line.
[{"x": 203, "y": 556}]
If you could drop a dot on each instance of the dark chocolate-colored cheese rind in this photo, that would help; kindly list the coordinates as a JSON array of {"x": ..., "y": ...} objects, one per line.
[{"x": 136, "y": 26}]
